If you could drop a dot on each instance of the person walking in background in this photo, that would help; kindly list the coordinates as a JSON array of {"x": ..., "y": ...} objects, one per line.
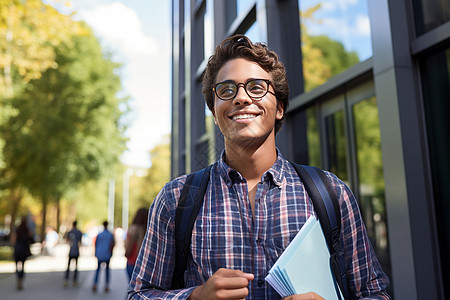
[
  {"x": 74, "y": 239},
  {"x": 134, "y": 238},
  {"x": 50, "y": 241},
  {"x": 21, "y": 239},
  {"x": 104, "y": 244},
  {"x": 31, "y": 225}
]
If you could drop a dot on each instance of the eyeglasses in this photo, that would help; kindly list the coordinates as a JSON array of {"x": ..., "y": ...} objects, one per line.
[{"x": 255, "y": 89}]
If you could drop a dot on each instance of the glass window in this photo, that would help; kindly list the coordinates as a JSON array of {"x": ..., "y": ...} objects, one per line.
[
  {"x": 187, "y": 10},
  {"x": 353, "y": 152},
  {"x": 371, "y": 192},
  {"x": 253, "y": 33},
  {"x": 313, "y": 138},
  {"x": 337, "y": 145},
  {"x": 244, "y": 5},
  {"x": 335, "y": 36},
  {"x": 234, "y": 8},
  {"x": 209, "y": 25},
  {"x": 435, "y": 71},
  {"x": 430, "y": 14}
]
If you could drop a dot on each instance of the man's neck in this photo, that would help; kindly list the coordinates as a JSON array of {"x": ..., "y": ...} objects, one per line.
[{"x": 250, "y": 161}]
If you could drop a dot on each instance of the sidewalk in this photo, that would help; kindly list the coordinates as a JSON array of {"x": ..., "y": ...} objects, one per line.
[{"x": 44, "y": 277}]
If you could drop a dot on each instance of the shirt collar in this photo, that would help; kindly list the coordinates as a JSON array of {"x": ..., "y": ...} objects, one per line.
[{"x": 275, "y": 173}]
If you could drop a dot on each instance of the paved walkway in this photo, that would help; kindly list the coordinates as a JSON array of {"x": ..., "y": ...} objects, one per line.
[{"x": 44, "y": 277}]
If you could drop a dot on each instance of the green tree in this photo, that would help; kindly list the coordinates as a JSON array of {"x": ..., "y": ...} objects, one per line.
[
  {"x": 334, "y": 54},
  {"x": 91, "y": 199},
  {"x": 65, "y": 130},
  {"x": 29, "y": 32},
  {"x": 90, "y": 202},
  {"x": 158, "y": 174},
  {"x": 323, "y": 57},
  {"x": 368, "y": 149}
]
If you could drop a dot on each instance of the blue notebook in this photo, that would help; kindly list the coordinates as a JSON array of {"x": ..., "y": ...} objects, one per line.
[{"x": 305, "y": 265}]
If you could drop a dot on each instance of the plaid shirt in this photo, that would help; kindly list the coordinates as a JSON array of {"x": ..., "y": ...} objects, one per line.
[{"x": 226, "y": 235}]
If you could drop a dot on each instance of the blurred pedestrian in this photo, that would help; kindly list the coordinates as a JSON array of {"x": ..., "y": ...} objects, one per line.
[
  {"x": 50, "y": 241},
  {"x": 74, "y": 239},
  {"x": 21, "y": 239},
  {"x": 104, "y": 244},
  {"x": 134, "y": 238},
  {"x": 31, "y": 222}
]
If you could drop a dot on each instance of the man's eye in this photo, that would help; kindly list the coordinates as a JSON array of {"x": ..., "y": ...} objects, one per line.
[
  {"x": 226, "y": 90},
  {"x": 256, "y": 88}
]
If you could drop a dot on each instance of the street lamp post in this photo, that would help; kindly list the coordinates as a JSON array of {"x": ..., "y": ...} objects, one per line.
[
  {"x": 111, "y": 193},
  {"x": 126, "y": 198}
]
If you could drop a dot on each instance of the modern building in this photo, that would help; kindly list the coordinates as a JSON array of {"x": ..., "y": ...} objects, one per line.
[{"x": 369, "y": 101}]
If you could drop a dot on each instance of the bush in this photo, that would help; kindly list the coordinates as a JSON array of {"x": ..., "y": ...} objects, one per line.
[{"x": 6, "y": 253}]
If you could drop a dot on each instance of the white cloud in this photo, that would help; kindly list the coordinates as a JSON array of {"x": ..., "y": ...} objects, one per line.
[
  {"x": 145, "y": 76},
  {"x": 363, "y": 25},
  {"x": 120, "y": 26},
  {"x": 342, "y": 4}
]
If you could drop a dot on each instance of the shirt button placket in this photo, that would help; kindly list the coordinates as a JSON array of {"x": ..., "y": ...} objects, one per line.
[{"x": 260, "y": 282}]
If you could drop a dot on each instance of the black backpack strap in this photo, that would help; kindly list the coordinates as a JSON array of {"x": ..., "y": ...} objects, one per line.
[
  {"x": 189, "y": 205},
  {"x": 326, "y": 205}
]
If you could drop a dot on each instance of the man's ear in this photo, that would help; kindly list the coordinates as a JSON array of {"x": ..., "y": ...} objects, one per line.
[{"x": 280, "y": 111}]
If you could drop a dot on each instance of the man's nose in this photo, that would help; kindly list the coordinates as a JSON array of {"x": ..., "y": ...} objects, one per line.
[{"x": 241, "y": 96}]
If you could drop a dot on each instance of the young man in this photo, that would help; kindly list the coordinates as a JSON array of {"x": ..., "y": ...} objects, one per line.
[
  {"x": 74, "y": 238},
  {"x": 255, "y": 202},
  {"x": 104, "y": 244}
]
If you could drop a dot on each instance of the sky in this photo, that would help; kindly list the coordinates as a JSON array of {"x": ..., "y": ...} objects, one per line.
[
  {"x": 138, "y": 34},
  {"x": 344, "y": 20}
]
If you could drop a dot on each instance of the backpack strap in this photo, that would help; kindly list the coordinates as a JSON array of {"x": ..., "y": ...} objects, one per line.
[
  {"x": 326, "y": 206},
  {"x": 189, "y": 205}
]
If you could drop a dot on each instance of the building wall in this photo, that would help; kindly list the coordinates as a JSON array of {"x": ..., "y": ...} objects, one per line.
[{"x": 379, "y": 122}]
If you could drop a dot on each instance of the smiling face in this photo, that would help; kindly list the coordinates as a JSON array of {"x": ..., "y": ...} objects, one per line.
[{"x": 243, "y": 120}]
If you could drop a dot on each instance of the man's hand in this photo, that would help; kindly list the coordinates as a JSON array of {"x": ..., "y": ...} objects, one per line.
[
  {"x": 224, "y": 284},
  {"x": 307, "y": 296}
]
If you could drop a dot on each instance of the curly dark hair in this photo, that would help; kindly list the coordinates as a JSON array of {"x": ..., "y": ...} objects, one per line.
[{"x": 240, "y": 46}]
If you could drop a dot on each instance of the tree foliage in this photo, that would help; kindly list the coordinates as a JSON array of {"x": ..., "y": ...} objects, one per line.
[
  {"x": 65, "y": 128},
  {"x": 90, "y": 202},
  {"x": 29, "y": 33},
  {"x": 368, "y": 149},
  {"x": 323, "y": 57},
  {"x": 144, "y": 184},
  {"x": 64, "y": 121},
  {"x": 159, "y": 172}
]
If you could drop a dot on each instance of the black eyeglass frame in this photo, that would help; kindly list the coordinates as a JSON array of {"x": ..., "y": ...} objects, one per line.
[{"x": 244, "y": 85}]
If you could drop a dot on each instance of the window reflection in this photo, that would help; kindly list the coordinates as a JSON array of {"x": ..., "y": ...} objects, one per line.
[
  {"x": 336, "y": 144},
  {"x": 335, "y": 36},
  {"x": 244, "y": 5},
  {"x": 370, "y": 177},
  {"x": 208, "y": 29},
  {"x": 430, "y": 14},
  {"x": 313, "y": 138},
  {"x": 253, "y": 33},
  {"x": 435, "y": 69}
]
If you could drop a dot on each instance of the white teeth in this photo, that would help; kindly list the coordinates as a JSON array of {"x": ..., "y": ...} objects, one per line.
[{"x": 244, "y": 116}]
